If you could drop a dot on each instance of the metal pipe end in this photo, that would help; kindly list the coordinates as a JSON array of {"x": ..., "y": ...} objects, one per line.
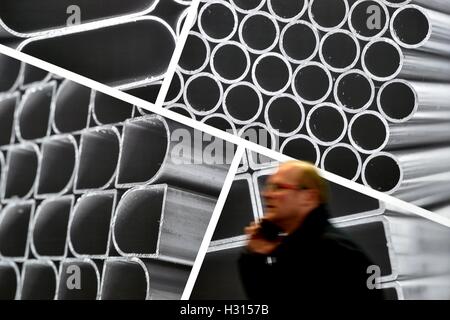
[
  {"x": 343, "y": 160},
  {"x": 382, "y": 172},
  {"x": 397, "y": 101},
  {"x": 368, "y": 132},
  {"x": 354, "y": 91},
  {"x": 239, "y": 94},
  {"x": 39, "y": 280},
  {"x": 312, "y": 83},
  {"x": 284, "y": 115},
  {"x": 301, "y": 147},
  {"x": 326, "y": 123}
]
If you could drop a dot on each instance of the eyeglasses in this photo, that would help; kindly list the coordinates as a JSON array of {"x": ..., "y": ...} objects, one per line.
[{"x": 283, "y": 186}]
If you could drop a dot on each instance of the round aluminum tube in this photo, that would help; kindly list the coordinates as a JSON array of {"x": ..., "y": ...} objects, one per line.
[
  {"x": 39, "y": 280},
  {"x": 143, "y": 58},
  {"x": 10, "y": 280},
  {"x": 247, "y": 6},
  {"x": 343, "y": 160},
  {"x": 15, "y": 222},
  {"x": 171, "y": 157},
  {"x": 217, "y": 21},
  {"x": 326, "y": 124},
  {"x": 368, "y": 132},
  {"x": 71, "y": 108},
  {"x": 327, "y": 16},
  {"x": 220, "y": 121},
  {"x": 89, "y": 230},
  {"x": 220, "y": 65},
  {"x": 312, "y": 83},
  {"x": 161, "y": 222},
  {"x": 417, "y": 134},
  {"x": 49, "y": 228},
  {"x": 284, "y": 115},
  {"x": 299, "y": 41},
  {"x": 10, "y": 78},
  {"x": 8, "y": 105},
  {"x": 58, "y": 160},
  {"x": 203, "y": 94},
  {"x": 401, "y": 101},
  {"x": 354, "y": 91},
  {"x": 271, "y": 73},
  {"x": 196, "y": 54},
  {"x": 19, "y": 175},
  {"x": 259, "y": 32},
  {"x": 181, "y": 109},
  {"x": 414, "y": 27},
  {"x": 437, "y": 5},
  {"x": 287, "y": 11},
  {"x": 33, "y": 121},
  {"x": 360, "y": 19},
  {"x": 89, "y": 285},
  {"x": 99, "y": 155},
  {"x": 55, "y": 15},
  {"x": 301, "y": 147},
  {"x": 175, "y": 91},
  {"x": 107, "y": 110},
  {"x": 242, "y": 103},
  {"x": 339, "y": 50}
]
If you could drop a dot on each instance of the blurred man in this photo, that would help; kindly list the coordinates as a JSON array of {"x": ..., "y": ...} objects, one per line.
[{"x": 294, "y": 252}]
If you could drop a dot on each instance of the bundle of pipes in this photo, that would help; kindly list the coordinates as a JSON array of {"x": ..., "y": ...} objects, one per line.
[
  {"x": 91, "y": 187},
  {"x": 337, "y": 82}
]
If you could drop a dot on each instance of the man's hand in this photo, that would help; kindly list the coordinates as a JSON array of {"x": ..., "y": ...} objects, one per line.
[{"x": 258, "y": 244}]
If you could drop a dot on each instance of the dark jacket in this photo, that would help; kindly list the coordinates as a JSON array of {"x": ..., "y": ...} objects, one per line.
[{"x": 317, "y": 261}]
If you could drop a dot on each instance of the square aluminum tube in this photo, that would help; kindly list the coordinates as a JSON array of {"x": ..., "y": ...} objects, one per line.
[
  {"x": 9, "y": 280},
  {"x": 403, "y": 246},
  {"x": 15, "y": 222},
  {"x": 89, "y": 280},
  {"x": 142, "y": 279},
  {"x": 161, "y": 222},
  {"x": 340, "y": 208},
  {"x": 20, "y": 172},
  {"x": 89, "y": 232},
  {"x": 8, "y": 105},
  {"x": 39, "y": 280},
  {"x": 58, "y": 161},
  {"x": 33, "y": 118},
  {"x": 98, "y": 159},
  {"x": 109, "y": 110},
  {"x": 238, "y": 211},
  {"x": 48, "y": 236}
]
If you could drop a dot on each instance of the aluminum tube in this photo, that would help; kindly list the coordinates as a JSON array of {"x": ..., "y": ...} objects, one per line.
[
  {"x": 428, "y": 288},
  {"x": 203, "y": 94},
  {"x": 196, "y": 54},
  {"x": 10, "y": 280},
  {"x": 49, "y": 228},
  {"x": 56, "y": 15},
  {"x": 438, "y": 5},
  {"x": 284, "y": 115},
  {"x": 239, "y": 210},
  {"x": 301, "y": 147},
  {"x": 89, "y": 283},
  {"x": 287, "y": 11},
  {"x": 161, "y": 222},
  {"x": 242, "y": 103},
  {"x": 19, "y": 175},
  {"x": 271, "y": 73},
  {"x": 71, "y": 108},
  {"x": 107, "y": 110},
  {"x": 383, "y": 60},
  {"x": 401, "y": 101},
  {"x": 299, "y": 41},
  {"x": 99, "y": 155},
  {"x": 175, "y": 155},
  {"x": 175, "y": 91},
  {"x": 259, "y": 32},
  {"x": 368, "y": 132},
  {"x": 220, "y": 59},
  {"x": 58, "y": 161},
  {"x": 8, "y": 105},
  {"x": 181, "y": 109},
  {"x": 217, "y": 21},
  {"x": 143, "y": 58},
  {"x": 89, "y": 234},
  {"x": 32, "y": 76},
  {"x": 15, "y": 222},
  {"x": 326, "y": 123},
  {"x": 360, "y": 23},
  {"x": 327, "y": 16},
  {"x": 354, "y": 91},
  {"x": 414, "y": 27},
  {"x": 343, "y": 160},
  {"x": 39, "y": 280},
  {"x": 339, "y": 50},
  {"x": 391, "y": 172},
  {"x": 246, "y": 6},
  {"x": 170, "y": 11},
  {"x": 312, "y": 83},
  {"x": 220, "y": 121},
  {"x": 10, "y": 78},
  {"x": 419, "y": 135},
  {"x": 33, "y": 119}
]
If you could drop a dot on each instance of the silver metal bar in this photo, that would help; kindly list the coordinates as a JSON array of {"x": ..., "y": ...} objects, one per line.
[
  {"x": 161, "y": 222},
  {"x": 360, "y": 23},
  {"x": 88, "y": 287},
  {"x": 342, "y": 159},
  {"x": 312, "y": 83},
  {"x": 48, "y": 232},
  {"x": 58, "y": 160},
  {"x": 15, "y": 222},
  {"x": 98, "y": 159},
  {"x": 89, "y": 228},
  {"x": 354, "y": 91},
  {"x": 301, "y": 147},
  {"x": 326, "y": 123},
  {"x": 10, "y": 280},
  {"x": 8, "y": 105},
  {"x": 236, "y": 96},
  {"x": 327, "y": 16},
  {"x": 10, "y": 67},
  {"x": 284, "y": 115},
  {"x": 39, "y": 280},
  {"x": 339, "y": 50},
  {"x": 299, "y": 41}
]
